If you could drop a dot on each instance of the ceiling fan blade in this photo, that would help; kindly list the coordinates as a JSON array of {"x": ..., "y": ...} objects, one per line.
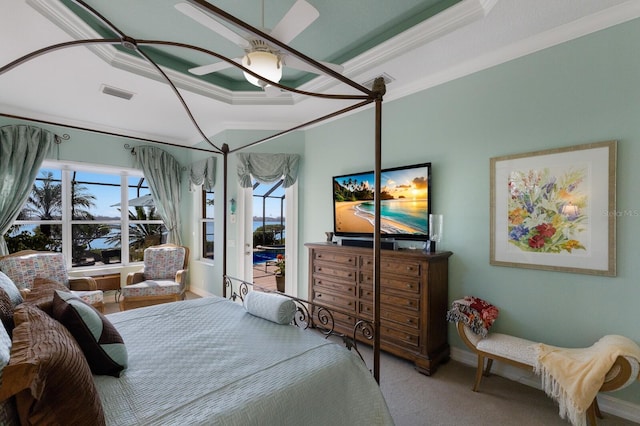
[
  {"x": 299, "y": 17},
  {"x": 218, "y": 66},
  {"x": 206, "y": 20},
  {"x": 293, "y": 62}
]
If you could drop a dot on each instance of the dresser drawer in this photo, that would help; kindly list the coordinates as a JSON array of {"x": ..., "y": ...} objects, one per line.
[
  {"x": 410, "y": 303},
  {"x": 329, "y": 270},
  {"x": 333, "y": 300},
  {"x": 404, "y": 338},
  {"x": 410, "y": 285},
  {"x": 394, "y": 266},
  {"x": 348, "y": 288},
  {"x": 403, "y": 318},
  {"x": 336, "y": 257}
]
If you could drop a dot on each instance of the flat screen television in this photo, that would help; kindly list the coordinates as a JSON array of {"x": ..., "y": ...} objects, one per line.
[{"x": 405, "y": 203}]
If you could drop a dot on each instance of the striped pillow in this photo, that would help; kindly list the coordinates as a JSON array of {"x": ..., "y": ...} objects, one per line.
[{"x": 97, "y": 337}]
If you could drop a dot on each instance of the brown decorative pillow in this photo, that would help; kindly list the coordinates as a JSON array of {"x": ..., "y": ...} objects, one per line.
[
  {"x": 41, "y": 293},
  {"x": 48, "y": 373},
  {"x": 6, "y": 312},
  {"x": 98, "y": 338}
]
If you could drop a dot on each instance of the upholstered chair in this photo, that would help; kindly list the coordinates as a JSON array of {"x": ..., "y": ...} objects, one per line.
[
  {"x": 25, "y": 266},
  {"x": 163, "y": 278}
]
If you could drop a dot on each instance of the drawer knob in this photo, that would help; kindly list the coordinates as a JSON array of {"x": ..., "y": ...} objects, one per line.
[{"x": 409, "y": 286}]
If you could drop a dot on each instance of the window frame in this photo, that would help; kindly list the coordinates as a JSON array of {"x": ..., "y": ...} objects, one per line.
[
  {"x": 67, "y": 168},
  {"x": 203, "y": 221}
]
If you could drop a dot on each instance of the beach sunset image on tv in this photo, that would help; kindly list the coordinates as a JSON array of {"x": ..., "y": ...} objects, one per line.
[{"x": 404, "y": 202}]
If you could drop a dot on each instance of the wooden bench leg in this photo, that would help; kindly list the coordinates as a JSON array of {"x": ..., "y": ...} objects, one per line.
[
  {"x": 487, "y": 371},
  {"x": 479, "y": 372}
]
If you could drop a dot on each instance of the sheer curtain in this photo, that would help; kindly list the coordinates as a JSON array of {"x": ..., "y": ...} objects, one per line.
[
  {"x": 22, "y": 150},
  {"x": 164, "y": 175},
  {"x": 267, "y": 168}
]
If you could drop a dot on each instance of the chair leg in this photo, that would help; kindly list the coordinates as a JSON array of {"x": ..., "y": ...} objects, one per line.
[{"x": 479, "y": 371}]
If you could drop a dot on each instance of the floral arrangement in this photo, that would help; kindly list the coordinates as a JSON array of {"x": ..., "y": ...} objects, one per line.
[
  {"x": 280, "y": 265},
  {"x": 545, "y": 211}
]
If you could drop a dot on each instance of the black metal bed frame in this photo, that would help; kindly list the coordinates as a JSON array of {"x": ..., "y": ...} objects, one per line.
[
  {"x": 367, "y": 96},
  {"x": 309, "y": 315}
]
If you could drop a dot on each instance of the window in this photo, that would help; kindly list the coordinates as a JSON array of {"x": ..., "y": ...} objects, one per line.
[
  {"x": 78, "y": 211},
  {"x": 208, "y": 224}
]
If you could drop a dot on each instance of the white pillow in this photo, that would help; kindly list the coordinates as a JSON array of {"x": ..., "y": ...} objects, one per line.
[{"x": 270, "y": 306}]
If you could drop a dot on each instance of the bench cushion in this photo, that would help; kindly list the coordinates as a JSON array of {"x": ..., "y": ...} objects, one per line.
[{"x": 510, "y": 347}]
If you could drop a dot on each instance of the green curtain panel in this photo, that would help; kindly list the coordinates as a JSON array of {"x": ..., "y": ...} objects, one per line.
[
  {"x": 267, "y": 168},
  {"x": 22, "y": 150},
  {"x": 164, "y": 175}
]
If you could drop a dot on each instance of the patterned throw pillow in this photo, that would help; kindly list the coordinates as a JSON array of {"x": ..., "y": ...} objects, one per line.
[
  {"x": 49, "y": 374},
  {"x": 98, "y": 338}
]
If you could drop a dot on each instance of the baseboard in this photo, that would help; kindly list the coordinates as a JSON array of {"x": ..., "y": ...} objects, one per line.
[{"x": 607, "y": 403}]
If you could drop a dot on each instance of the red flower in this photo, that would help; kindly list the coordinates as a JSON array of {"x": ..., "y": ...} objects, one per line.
[
  {"x": 537, "y": 241},
  {"x": 546, "y": 230}
]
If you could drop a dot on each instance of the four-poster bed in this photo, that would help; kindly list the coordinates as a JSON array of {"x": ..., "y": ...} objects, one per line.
[{"x": 368, "y": 327}]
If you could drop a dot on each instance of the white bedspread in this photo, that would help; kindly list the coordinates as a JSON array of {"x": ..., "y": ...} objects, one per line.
[{"x": 208, "y": 362}]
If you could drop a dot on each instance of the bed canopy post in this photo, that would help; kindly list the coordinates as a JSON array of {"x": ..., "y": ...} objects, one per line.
[
  {"x": 225, "y": 184},
  {"x": 379, "y": 90}
]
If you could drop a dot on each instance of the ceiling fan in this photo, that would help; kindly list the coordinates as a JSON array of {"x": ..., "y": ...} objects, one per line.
[{"x": 260, "y": 56}]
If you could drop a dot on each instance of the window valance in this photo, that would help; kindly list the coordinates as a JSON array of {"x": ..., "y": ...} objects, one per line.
[
  {"x": 203, "y": 173},
  {"x": 267, "y": 168}
]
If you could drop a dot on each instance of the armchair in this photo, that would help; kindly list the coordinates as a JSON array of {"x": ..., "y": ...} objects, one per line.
[
  {"x": 25, "y": 266},
  {"x": 163, "y": 278}
]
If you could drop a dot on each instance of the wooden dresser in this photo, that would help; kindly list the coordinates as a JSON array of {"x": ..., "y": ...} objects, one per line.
[{"x": 413, "y": 299}]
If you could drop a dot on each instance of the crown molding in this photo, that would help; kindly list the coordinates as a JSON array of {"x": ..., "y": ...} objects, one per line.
[{"x": 589, "y": 24}]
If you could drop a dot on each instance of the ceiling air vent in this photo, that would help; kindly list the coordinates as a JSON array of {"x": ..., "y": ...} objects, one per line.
[
  {"x": 387, "y": 79},
  {"x": 114, "y": 91}
]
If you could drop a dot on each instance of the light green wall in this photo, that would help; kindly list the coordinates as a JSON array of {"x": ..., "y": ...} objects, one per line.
[{"x": 583, "y": 91}]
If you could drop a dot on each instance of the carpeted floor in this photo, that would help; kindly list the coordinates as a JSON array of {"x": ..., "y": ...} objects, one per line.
[{"x": 445, "y": 398}]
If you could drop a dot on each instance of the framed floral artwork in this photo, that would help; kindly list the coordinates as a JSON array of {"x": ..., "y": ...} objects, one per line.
[{"x": 556, "y": 209}]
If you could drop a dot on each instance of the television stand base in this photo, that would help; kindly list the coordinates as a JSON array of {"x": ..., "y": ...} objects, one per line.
[{"x": 385, "y": 245}]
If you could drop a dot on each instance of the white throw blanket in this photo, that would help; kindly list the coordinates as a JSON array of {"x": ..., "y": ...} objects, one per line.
[{"x": 573, "y": 376}]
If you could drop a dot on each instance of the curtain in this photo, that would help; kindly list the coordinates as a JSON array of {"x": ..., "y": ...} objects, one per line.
[
  {"x": 267, "y": 168},
  {"x": 203, "y": 173},
  {"x": 22, "y": 150},
  {"x": 163, "y": 173}
]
